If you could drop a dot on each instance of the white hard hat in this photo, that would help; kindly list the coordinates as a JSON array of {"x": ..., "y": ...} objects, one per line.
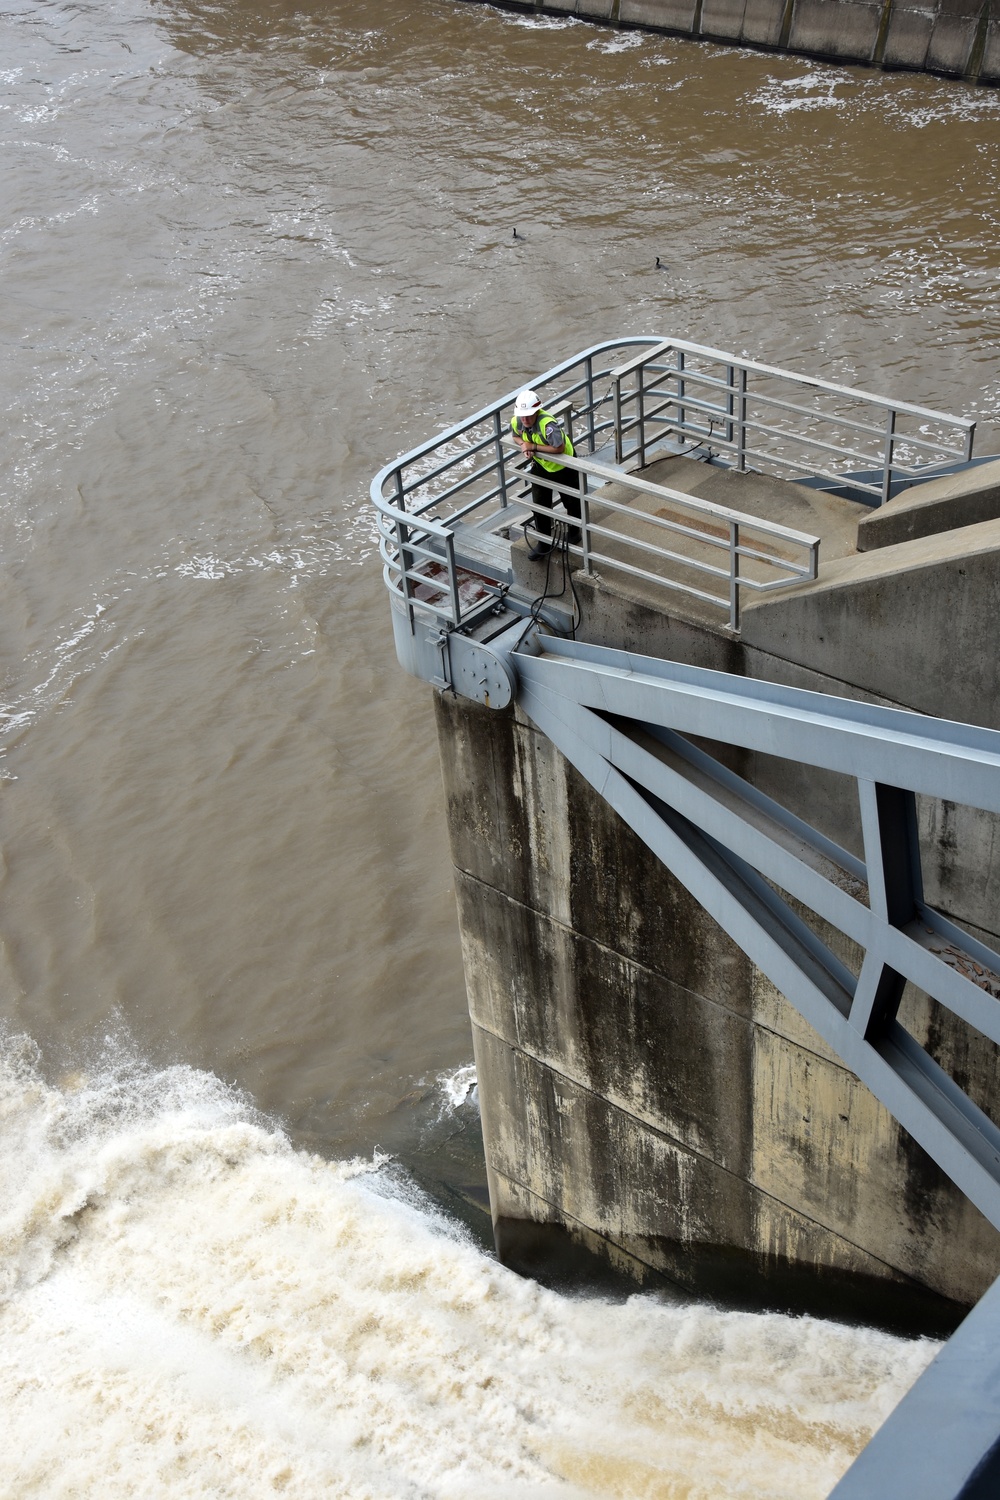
[{"x": 527, "y": 403}]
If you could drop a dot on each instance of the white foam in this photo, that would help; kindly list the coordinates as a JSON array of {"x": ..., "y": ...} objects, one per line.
[
  {"x": 812, "y": 90},
  {"x": 623, "y": 41},
  {"x": 539, "y": 23},
  {"x": 457, "y": 1086},
  {"x": 191, "y": 1307}
]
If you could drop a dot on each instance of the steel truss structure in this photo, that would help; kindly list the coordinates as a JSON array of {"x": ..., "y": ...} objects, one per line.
[{"x": 624, "y": 722}]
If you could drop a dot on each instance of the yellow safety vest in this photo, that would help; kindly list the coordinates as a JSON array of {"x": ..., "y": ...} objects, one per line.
[{"x": 536, "y": 434}]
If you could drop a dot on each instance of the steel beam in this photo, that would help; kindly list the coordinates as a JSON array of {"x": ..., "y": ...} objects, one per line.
[
  {"x": 730, "y": 847},
  {"x": 736, "y": 851},
  {"x": 942, "y": 1442},
  {"x": 960, "y": 762}
]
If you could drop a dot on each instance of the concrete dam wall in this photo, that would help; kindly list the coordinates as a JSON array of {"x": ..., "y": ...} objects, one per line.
[
  {"x": 648, "y": 1096},
  {"x": 959, "y": 38}
]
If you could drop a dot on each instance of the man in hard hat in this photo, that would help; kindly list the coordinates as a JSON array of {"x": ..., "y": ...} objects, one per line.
[{"x": 542, "y": 438}]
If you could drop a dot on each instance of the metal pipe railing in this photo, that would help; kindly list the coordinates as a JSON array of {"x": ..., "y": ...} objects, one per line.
[
  {"x": 470, "y": 476},
  {"x": 733, "y": 522},
  {"x": 402, "y": 575},
  {"x": 937, "y": 448},
  {"x": 728, "y": 385},
  {"x": 669, "y": 362}
]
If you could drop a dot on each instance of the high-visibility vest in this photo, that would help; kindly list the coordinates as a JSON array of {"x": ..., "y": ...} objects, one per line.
[{"x": 536, "y": 434}]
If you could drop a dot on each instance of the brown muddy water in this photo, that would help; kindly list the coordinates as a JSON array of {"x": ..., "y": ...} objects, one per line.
[{"x": 248, "y": 252}]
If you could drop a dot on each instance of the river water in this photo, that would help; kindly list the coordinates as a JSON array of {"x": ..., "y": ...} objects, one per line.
[{"x": 248, "y": 252}]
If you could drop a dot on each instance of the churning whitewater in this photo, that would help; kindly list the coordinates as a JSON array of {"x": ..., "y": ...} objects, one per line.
[{"x": 190, "y": 1306}]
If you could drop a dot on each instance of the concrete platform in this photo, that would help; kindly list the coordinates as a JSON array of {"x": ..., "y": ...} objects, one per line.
[
  {"x": 618, "y": 539},
  {"x": 935, "y": 506},
  {"x": 908, "y": 622}
]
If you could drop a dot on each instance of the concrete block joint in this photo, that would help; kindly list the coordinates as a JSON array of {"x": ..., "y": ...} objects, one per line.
[{"x": 954, "y": 38}]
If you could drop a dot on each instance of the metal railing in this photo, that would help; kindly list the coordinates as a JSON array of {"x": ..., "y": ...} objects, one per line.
[
  {"x": 471, "y": 478},
  {"x": 471, "y": 473},
  {"x": 761, "y": 417},
  {"x": 705, "y": 531}
]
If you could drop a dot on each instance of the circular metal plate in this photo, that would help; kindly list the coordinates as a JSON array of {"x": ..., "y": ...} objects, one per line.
[{"x": 478, "y": 673}]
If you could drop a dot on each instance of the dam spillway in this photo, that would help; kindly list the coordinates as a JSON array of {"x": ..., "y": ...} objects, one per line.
[
  {"x": 198, "y": 384},
  {"x": 650, "y": 1094}
]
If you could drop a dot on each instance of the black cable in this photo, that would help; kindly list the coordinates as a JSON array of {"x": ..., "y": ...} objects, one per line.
[
  {"x": 534, "y": 613},
  {"x": 577, "y": 618},
  {"x": 560, "y": 548}
]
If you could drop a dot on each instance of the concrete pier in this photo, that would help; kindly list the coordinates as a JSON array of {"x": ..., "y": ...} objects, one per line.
[
  {"x": 649, "y": 1098},
  {"x": 957, "y": 38}
]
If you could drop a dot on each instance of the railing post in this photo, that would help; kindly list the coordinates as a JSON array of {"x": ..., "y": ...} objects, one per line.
[
  {"x": 681, "y": 391},
  {"x": 590, "y": 404},
  {"x": 641, "y": 414},
  {"x": 456, "y": 605},
  {"x": 501, "y": 458},
  {"x": 734, "y": 575},
  {"x": 730, "y": 401},
  {"x": 405, "y": 556},
  {"x": 741, "y": 423},
  {"x": 585, "y": 522},
  {"x": 890, "y": 444},
  {"x": 970, "y": 433},
  {"x": 618, "y": 419}
]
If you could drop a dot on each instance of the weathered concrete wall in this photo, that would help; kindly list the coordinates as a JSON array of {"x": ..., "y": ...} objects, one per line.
[
  {"x": 646, "y": 1091},
  {"x": 908, "y": 621},
  {"x": 960, "y": 38},
  {"x": 939, "y": 505}
]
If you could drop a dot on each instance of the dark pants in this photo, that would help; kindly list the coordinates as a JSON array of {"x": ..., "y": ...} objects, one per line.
[{"x": 543, "y": 494}]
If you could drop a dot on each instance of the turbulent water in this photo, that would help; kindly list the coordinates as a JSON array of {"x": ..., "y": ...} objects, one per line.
[
  {"x": 248, "y": 251},
  {"x": 192, "y": 1307}
]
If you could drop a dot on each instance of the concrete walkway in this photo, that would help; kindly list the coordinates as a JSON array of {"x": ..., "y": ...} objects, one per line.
[{"x": 620, "y": 538}]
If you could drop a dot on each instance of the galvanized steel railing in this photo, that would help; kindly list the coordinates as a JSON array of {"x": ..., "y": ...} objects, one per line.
[
  {"x": 667, "y": 395},
  {"x": 705, "y": 527},
  {"x": 472, "y": 470},
  {"x": 762, "y": 417}
]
